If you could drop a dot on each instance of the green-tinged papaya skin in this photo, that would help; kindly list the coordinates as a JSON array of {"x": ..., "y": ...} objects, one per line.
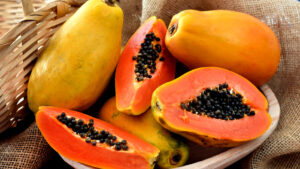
[
  {"x": 213, "y": 107},
  {"x": 144, "y": 64},
  {"x": 93, "y": 142},
  {"x": 80, "y": 59},
  {"x": 173, "y": 151},
  {"x": 233, "y": 40}
]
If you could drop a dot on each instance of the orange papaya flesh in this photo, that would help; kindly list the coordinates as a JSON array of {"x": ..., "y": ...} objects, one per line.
[
  {"x": 140, "y": 71},
  {"x": 200, "y": 127},
  {"x": 93, "y": 152}
]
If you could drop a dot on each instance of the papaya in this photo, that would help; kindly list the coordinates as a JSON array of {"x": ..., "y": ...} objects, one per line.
[
  {"x": 80, "y": 59},
  {"x": 213, "y": 107},
  {"x": 173, "y": 151},
  {"x": 144, "y": 64},
  {"x": 232, "y": 40},
  {"x": 93, "y": 142}
]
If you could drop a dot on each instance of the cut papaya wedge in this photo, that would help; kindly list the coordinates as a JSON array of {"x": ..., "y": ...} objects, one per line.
[
  {"x": 90, "y": 141},
  {"x": 213, "y": 107},
  {"x": 144, "y": 64}
]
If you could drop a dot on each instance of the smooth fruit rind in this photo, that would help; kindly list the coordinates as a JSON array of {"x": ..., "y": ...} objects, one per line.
[
  {"x": 79, "y": 60},
  {"x": 233, "y": 40}
]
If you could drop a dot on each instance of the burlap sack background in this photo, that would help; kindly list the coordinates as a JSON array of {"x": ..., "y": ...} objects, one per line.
[{"x": 281, "y": 150}]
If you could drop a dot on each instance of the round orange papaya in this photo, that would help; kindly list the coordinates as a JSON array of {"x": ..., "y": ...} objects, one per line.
[
  {"x": 93, "y": 142},
  {"x": 213, "y": 107},
  {"x": 144, "y": 64},
  {"x": 233, "y": 40}
]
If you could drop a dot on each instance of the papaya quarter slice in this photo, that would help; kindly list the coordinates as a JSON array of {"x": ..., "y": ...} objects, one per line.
[
  {"x": 213, "y": 107},
  {"x": 144, "y": 64},
  {"x": 93, "y": 142}
]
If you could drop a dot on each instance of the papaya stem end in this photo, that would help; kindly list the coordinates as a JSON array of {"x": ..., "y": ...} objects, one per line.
[
  {"x": 172, "y": 29},
  {"x": 175, "y": 158},
  {"x": 111, "y": 2},
  {"x": 158, "y": 107}
]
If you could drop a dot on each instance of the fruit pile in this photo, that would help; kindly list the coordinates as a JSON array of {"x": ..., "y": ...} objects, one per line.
[{"x": 215, "y": 104}]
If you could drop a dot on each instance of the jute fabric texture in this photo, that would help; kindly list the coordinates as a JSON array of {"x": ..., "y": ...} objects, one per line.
[{"x": 281, "y": 150}]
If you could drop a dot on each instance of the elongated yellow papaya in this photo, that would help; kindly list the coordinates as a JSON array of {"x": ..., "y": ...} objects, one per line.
[
  {"x": 173, "y": 151},
  {"x": 80, "y": 59}
]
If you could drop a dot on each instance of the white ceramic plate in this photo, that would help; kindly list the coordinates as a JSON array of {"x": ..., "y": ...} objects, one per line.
[{"x": 215, "y": 158}]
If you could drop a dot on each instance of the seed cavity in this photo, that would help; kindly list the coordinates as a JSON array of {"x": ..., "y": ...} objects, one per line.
[
  {"x": 90, "y": 135},
  {"x": 220, "y": 103},
  {"x": 146, "y": 58}
]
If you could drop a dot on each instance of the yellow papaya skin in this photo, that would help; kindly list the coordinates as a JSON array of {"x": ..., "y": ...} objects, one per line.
[
  {"x": 145, "y": 127},
  {"x": 80, "y": 59},
  {"x": 228, "y": 39}
]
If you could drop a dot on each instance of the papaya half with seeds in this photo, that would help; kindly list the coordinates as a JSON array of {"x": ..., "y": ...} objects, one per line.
[
  {"x": 80, "y": 59},
  {"x": 93, "y": 142},
  {"x": 232, "y": 40},
  {"x": 173, "y": 151},
  {"x": 144, "y": 64},
  {"x": 213, "y": 107}
]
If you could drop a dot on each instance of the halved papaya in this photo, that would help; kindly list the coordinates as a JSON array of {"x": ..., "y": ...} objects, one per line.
[
  {"x": 213, "y": 107},
  {"x": 144, "y": 64},
  {"x": 91, "y": 141}
]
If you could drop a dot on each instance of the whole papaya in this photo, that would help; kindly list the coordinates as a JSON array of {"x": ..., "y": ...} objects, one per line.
[
  {"x": 173, "y": 151},
  {"x": 80, "y": 59},
  {"x": 232, "y": 40}
]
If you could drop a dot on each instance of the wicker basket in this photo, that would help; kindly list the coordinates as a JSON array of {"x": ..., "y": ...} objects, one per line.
[
  {"x": 20, "y": 47},
  {"x": 12, "y": 12}
]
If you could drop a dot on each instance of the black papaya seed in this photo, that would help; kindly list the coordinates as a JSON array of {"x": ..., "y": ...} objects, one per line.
[
  {"x": 89, "y": 133},
  {"x": 220, "y": 103}
]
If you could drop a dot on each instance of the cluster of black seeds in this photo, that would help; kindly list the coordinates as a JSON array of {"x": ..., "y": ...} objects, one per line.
[
  {"x": 219, "y": 103},
  {"x": 90, "y": 134},
  {"x": 147, "y": 56}
]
